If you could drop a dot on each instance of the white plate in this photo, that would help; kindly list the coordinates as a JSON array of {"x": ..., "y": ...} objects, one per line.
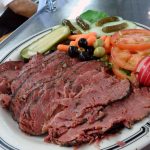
[{"x": 11, "y": 137}]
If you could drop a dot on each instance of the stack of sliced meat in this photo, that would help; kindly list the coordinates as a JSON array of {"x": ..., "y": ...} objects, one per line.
[
  {"x": 74, "y": 102},
  {"x": 8, "y": 72}
]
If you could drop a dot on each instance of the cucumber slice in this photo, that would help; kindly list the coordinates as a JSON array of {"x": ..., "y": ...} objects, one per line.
[{"x": 45, "y": 43}]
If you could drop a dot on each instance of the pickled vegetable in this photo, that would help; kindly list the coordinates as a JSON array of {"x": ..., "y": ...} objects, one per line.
[
  {"x": 82, "y": 24},
  {"x": 114, "y": 28},
  {"x": 70, "y": 25},
  {"x": 45, "y": 43},
  {"x": 106, "y": 20}
]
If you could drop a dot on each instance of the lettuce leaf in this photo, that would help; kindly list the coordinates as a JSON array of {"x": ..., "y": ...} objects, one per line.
[
  {"x": 127, "y": 72},
  {"x": 93, "y": 16}
]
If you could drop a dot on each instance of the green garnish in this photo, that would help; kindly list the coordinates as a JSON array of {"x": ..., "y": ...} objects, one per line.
[
  {"x": 93, "y": 16},
  {"x": 127, "y": 72},
  {"x": 108, "y": 65}
]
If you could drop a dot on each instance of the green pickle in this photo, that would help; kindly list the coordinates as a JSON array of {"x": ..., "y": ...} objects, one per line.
[
  {"x": 82, "y": 23},
  {"x": 71, "y": 26},
  {"x": 114, "y": 28},
  {"x": 106, "y": 20},
  {"x": 45, "y": 43}
]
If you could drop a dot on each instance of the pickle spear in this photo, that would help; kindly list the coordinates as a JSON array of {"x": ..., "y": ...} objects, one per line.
[
  {"x": 82, "y": 23},
  {"x": 109, "y": 29},
  {"x": 45, "y": 43},
  {"x": 106, "y": 20},
  {"x": 70, "y": 25}
]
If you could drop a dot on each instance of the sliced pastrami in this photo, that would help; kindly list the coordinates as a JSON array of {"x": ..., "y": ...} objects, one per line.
[
  {"x": 125, "y": 112},
  {"x": 46, "y": 95}
]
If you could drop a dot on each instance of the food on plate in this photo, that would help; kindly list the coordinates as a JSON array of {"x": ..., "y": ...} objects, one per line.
[
  {"x": 101, "y": 23},
  {"x": 93, "y": 122},
  {"x": 98, "y": 43},
  {"x": 121, "y": 73},
  {"x": 91, "y": 83},
  {"x": 143, "y": 71},
  {"x": 99, "y": 52},
  {"x": 8, "y": 72},
  {"x": 106, "y": 20},
  {"x": 62, "y": 78},
  {"x": 133, "y": 40},
  {"x": 70, "y": 25},
  {"x": 113, "y": 28},
  {"x": 129, "y": 47},
  {"x": 82, "y": 23},
  {"x": 85, "y": 47},
  {"x": 55, "y": 94},
  {"x": 73, "y": 51},
  {"x": 125, "y": 59},
  {"x": 92, "y": 16},
  {"x": 45, "y": 43}
]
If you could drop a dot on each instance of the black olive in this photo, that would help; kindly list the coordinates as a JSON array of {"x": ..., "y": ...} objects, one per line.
[
  {"x": 84, "y": 56},
  {"x": 82, "y": 43},
  {"x": 90, "y": 50},
  {"x": 73, "y": 51}
]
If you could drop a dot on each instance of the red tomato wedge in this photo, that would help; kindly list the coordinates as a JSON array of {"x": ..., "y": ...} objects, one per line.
[
  {"x": 132, "y": 39},
  {"x": 125, "y": 59}
]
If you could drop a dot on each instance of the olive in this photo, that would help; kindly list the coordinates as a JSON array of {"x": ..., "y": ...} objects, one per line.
[
  {"x": 83, "y": 43},
  {"x": 98, "y": 43},
  {"x": 84, "y": 56},
  {"x": 73, "y": 51},
  {"x": 90, "y": 50},
  {"x": 99, "y": 52}
]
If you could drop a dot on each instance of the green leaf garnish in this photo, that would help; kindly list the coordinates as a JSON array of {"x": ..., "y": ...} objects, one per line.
[
  {"x": 93, "y": 16},
  {"x": 127, "y": 72}
]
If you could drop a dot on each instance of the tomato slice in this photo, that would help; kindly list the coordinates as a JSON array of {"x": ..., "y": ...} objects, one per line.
[
  {"x": 125, "y": 59},
  {"x": 132, "y": 39},
  {"x": 119, "y": 74},
  {"x": 117, "y": 71}
]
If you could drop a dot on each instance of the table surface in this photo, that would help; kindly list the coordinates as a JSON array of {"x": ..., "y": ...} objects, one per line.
[{"x": 135, "y": 10}]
